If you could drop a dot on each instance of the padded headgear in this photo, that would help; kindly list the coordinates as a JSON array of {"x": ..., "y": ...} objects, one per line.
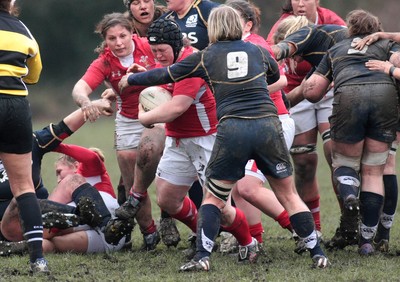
[{"x": 166, "y": 31}]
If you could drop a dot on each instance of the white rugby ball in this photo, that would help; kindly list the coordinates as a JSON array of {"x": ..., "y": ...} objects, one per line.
[{"x": 154, "y": 96}]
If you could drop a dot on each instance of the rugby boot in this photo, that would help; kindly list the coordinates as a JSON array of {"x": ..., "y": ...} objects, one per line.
[
  {"x": 13, "y": 248},
  {"x": 88, "y": 213},
  {"x": 59, "y": 220},
  {"x": 249, "y": 254},
  {"x": 382, "y": 245},
  {"x": 116, "y": 229},
  {"x": 350, "y": 220},
  {"x": 169, "y": 232},
  {"x": 40, "y": 266},
  {"x": 150, "y": 241},
  {"x": 320, "y": 261},
  {"x": 202, "y": 264},
  {"x": 128, "y": 209}
]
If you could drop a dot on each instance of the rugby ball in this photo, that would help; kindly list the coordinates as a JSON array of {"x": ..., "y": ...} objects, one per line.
[{"x": 154, "y": 96}]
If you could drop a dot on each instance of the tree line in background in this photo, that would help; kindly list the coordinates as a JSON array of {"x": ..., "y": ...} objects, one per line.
[{"x": 65, "y": 32}]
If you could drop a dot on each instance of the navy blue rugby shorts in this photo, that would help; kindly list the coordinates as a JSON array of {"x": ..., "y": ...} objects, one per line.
[{"x": 241, "y": 139}]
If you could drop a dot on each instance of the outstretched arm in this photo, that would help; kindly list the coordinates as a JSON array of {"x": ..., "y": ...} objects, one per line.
[
  {"x": 283, "y": 50},
  {"x": 369, "y": 39},
  {"x": 80, "y": 94},
  {"x": 76, "y": 119},
  {"x": 149, "y": 78}
]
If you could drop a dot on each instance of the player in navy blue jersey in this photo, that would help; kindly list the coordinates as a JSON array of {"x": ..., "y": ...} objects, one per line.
[
  {"x": 363, "y": 122},
  {"x": 238, "y": 73},
  {"x": 310, "y": 42},
  {"x": 381, "y": 240},
  {"x": 43, "y": 141},
  {"x": 302, "y": 41},
  {"x": 192, "y": 16}
]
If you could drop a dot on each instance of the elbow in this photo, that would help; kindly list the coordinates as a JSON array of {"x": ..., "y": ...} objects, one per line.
[{"x": 311, "y": 96}]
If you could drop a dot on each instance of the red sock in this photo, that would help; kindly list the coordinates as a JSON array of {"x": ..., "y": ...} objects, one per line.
[
  {"x": 240, "y": 229},
  {"x": 188, "y": 214},
  {"x": 149, "y": 229},
  {"x": 284, "y": 221},
  {"x": 137, "y": 195},
  {"x": 315, "y": 211},
  {"x": 256, "y": 231}
]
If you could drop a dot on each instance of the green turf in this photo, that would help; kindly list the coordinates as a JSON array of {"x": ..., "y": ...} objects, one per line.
[{"x": 279, "y": 264}]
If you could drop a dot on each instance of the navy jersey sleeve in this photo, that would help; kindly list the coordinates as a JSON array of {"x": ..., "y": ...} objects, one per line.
[
  {"x": 149, "y": 78},
  {"x": 324, "y": 68},
  {"x": 301, "y": 39},
  {"x": 176, "y": 72},
  {"x": 272, "y": 67}
]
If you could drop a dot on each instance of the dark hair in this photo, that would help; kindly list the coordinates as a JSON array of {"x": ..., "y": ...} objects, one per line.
[
  {"x": 287, "y": 7},
  {"x": 166, "y": 31},
  {"x": 5, "y": 5},
  {"x": 108, "y": 21},
  {"x": 361, "y": 22},
  {"x": 248, "y": 11}
]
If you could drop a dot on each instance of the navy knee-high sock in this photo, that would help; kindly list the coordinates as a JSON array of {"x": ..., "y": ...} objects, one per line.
[
  {"x": 303, "y": 225},
  {"x": 389, "y": 207},
  {"x": 87, "y": 190},
  {"x": 51, "y": 206},
  {"x": 196, "y": 193},
  {"x": 371, "y": 205},
  {"x": 32, "y": 226},
  {"x": 208, "y": 222}
]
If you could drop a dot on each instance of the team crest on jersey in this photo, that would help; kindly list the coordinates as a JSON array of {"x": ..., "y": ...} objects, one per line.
[
  {"x": 191, "y": 21},
  {"x": 144, "y": 60}
]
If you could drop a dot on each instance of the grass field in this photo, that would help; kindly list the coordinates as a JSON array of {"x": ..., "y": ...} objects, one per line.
[{"x": 279, "y": 264}]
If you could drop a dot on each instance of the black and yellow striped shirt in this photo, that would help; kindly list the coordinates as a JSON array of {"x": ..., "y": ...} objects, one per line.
[{"x": 20, "y": 61}]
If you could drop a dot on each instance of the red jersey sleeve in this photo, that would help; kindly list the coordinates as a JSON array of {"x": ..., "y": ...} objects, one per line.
[
  {"x": 97, "y": 73},
  {"x": 91, "y": 162}
]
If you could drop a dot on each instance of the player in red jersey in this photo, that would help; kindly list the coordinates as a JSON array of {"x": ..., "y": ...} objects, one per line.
[{"x": 120, "y": 50}]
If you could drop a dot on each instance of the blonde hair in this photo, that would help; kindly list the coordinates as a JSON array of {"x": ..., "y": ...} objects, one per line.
[
  {"x": 288, "y": 26},
  {"x": 99, "y": 153},
  {"x": 71, "y": 162},
  {"x": 66, "y": 160},
  {"x": 224, "y": 24}
]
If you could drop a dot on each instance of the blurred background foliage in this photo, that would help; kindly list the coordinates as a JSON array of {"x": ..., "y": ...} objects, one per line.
[{"x": 65, "y": 32}]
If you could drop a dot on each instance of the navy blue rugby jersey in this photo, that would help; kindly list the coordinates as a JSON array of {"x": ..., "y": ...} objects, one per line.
[
  {"x": 194, "y": 23},
  {"x": 312, "y": 42},
  {"x": 346, "y": 65},
  {"x": 237, "y": 72}
]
